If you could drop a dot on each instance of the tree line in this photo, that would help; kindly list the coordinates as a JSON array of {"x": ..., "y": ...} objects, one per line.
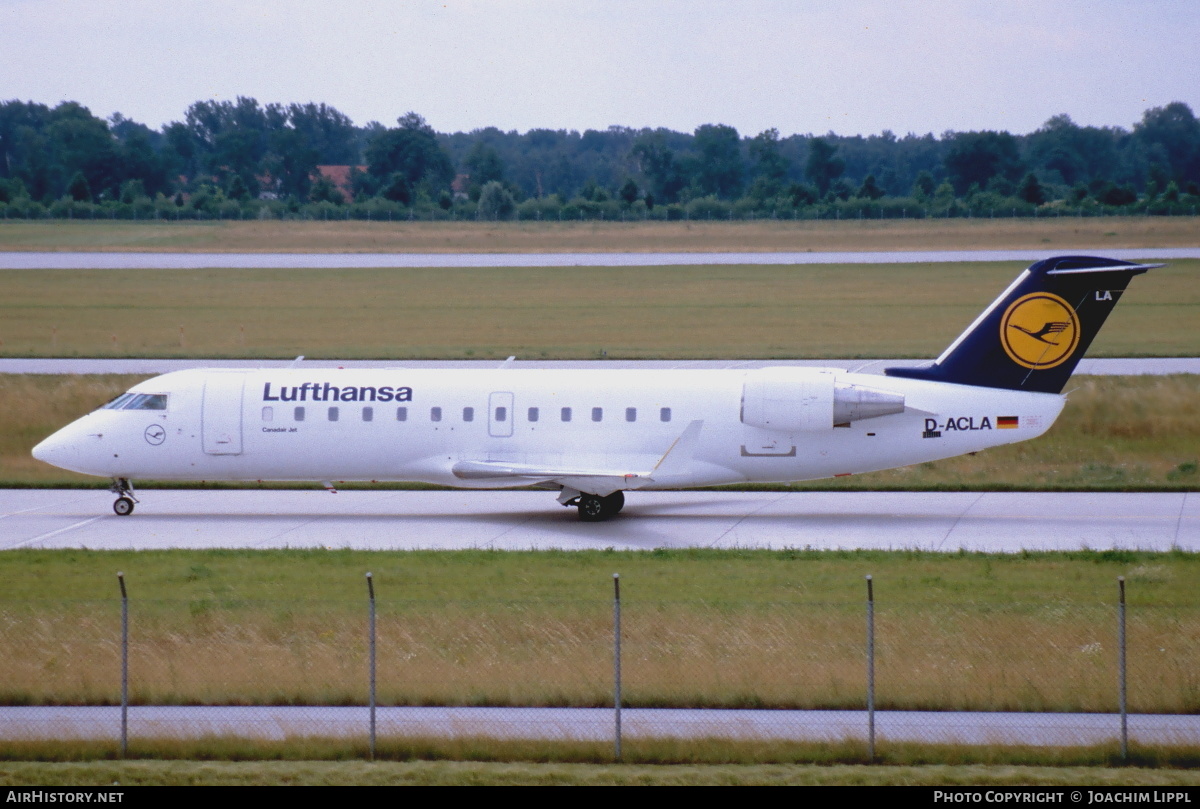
[{"x": 239, "y": 158}]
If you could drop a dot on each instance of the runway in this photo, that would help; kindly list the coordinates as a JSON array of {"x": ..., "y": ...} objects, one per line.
[
  {"x": 1000, "y": 522},
  {"x": 1139, "y": 366},
  {"x": 180, "y": 261}
]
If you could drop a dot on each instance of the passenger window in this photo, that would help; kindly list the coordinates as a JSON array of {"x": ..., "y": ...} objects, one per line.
[
  {"x": 435, "y": 414},
  {"x": 368, "y": 414},
  {"x": 501, "y": 414},
  {"x": 468, "y": 414},
  {"x": 631, "y": 414},
  {"x": 268, "y": 413},
  {"x": 664, "y": 414},
  {"x": 566, "y": 414},
  {"x": 533, "y": 414},
  {"x": 597, "y": 414},
  {"x": 333, "y": 414},
  {"x": 401, "y": 414},
  {"x": 298, "y": 414}
]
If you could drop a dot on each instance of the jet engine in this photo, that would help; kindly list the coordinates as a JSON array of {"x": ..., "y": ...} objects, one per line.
[{"x": 807, "y": 400}]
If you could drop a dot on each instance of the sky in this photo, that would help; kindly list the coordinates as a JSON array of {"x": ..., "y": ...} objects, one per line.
[{"x": 850, "y": 67}]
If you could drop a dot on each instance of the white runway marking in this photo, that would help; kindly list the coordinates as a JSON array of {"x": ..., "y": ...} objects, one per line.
[
  {"x": 526, "y": 520},
  {"x": 51, "y": 534}
]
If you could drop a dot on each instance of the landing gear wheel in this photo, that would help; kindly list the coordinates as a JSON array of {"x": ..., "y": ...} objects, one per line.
[
  {"x": 615, "y": 502},
  {"x": 591, "y": 508},
  {"x": 594, "y": 508},
  {"x": 123, "y": 489}
]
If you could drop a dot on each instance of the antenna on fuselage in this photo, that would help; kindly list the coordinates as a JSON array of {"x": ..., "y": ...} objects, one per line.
[
  {"x": 297, "y": 361},
  {"x": 509, "y": 362}
]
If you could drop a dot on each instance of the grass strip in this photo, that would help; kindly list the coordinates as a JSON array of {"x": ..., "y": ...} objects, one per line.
[
  {"x": 645, "y": 762},
  {"x": 690, "y": 312}
]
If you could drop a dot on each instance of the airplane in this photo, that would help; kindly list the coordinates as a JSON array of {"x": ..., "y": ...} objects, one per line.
[{"x": 593, "y": 435}]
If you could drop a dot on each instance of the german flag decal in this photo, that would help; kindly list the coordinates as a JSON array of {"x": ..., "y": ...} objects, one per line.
[{"x": 1007, "y": 422}]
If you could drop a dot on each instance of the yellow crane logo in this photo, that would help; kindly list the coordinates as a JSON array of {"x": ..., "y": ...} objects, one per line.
[{"x": 1039, "y": 330}]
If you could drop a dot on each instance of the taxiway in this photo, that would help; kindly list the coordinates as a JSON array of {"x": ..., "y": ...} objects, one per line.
[{"x": 1001, "y": 522}]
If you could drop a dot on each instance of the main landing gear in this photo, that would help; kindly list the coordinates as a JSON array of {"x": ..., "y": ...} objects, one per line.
[
  {"x": 594, "y": 508},
  {"x": 125, "y": 497}
]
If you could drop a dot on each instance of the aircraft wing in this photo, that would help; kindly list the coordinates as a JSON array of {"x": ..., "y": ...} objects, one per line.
[
  {"x": 598, "y": 481},
  {"x": 499, "y": 470}
]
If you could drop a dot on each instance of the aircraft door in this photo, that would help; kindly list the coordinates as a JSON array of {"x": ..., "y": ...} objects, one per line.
[
  {"x": 221, "y": 414},
  {"x": 500, "y": 415}
]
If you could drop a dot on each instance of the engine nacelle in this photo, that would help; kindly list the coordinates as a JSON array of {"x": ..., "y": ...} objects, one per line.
[{"x": 808, "y": 400}]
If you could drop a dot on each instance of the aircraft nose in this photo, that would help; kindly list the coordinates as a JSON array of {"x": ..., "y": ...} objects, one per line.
[{"x": 58, "y": 450}]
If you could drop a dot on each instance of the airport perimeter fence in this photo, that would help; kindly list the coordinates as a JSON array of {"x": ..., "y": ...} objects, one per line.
[{"x": 405, "y": 675}]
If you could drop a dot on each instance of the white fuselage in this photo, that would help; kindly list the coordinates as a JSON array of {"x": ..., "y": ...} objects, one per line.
[{"x": 429, "y": 425}]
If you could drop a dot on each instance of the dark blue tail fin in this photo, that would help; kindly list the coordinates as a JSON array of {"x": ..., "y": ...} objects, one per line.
[{"x": 1032, "y": 337}]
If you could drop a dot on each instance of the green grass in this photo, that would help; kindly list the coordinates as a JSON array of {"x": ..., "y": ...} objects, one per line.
[
  {"x": 320, "y": 760},
  {"x": 471, "y": 773},
  {"x": 763, "y": 312},
  {"x": 797, "y": 577}
]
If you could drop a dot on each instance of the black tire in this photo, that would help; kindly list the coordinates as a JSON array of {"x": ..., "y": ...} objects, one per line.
[
  {"x": 123, "y": 506},
  {"x": 592, "y": 508},
  {"x": 614, "y": 503}
]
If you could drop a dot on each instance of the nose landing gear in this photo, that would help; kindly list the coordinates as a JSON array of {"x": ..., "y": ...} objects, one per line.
[{"x": 123, "y": 506}]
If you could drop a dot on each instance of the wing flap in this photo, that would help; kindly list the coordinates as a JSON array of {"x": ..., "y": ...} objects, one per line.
[
  {"x": 675, "y": 462},
  {"x": 499, "y": 470}
]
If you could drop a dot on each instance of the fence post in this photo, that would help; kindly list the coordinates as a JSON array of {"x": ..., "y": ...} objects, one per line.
[
  {"x": 371, "y": 644},
  {"x": 124, "y": 665},
  {"x": 871, "y": 668},
  {"x": 617, "y": 662},
  {"x": 1121, "y": 668}
]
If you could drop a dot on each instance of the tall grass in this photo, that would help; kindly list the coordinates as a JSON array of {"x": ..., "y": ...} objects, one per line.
[
  {"x": 737, "y": 629},
  {"x": 965, "y": 656}
]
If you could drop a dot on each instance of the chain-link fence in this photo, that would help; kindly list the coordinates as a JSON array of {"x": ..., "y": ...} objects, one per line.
[{"x": 599, "y": 671}]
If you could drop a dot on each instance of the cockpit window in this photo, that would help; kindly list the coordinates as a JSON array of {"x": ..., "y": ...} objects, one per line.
[
  {"x": 148, "y": 401},
  {"x": 119, "y": 402},
  {"x": 138, "y": 401}
]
